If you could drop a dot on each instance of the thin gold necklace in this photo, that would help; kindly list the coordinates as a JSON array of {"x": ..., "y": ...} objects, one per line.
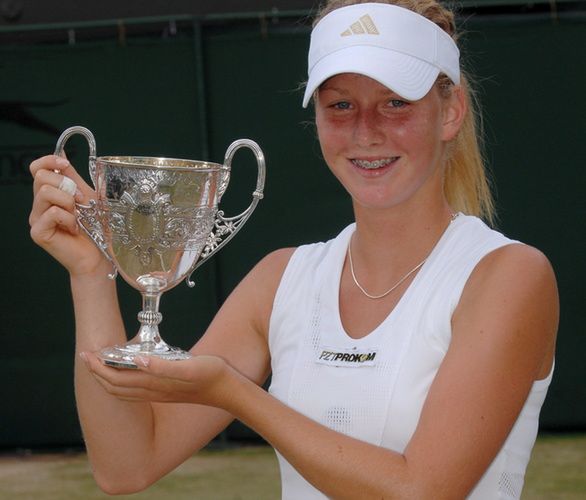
[
  {"x": 390, "y": 289},
  {"x": 361, "y": 288}
]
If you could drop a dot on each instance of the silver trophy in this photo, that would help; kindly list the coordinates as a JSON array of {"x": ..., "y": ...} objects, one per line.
[{"x": 157, "y": 221}]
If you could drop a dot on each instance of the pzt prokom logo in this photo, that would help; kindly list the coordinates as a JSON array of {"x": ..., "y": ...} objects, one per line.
[{"x": 346, "y": 357}]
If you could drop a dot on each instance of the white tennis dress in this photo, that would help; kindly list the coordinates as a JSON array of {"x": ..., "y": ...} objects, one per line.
[{"x": 373, "y": 388}]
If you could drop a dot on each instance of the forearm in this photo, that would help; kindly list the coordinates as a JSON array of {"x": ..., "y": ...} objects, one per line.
[
  {"x": 338, "y": 465},
  {"x": 98, "y": 322},
  {"x": 118, "y": 434}
]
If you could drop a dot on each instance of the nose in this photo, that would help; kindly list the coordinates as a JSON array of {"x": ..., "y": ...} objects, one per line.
[{"x": 368, "y": 130}]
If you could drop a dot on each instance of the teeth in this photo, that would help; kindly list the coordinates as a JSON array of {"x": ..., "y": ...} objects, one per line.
[{"x": 373, "y": 164}]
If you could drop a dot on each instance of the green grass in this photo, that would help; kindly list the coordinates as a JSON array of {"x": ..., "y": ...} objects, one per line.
[
  {"x": 233, "y": 474},
  {"x": 557, "y": 471}
]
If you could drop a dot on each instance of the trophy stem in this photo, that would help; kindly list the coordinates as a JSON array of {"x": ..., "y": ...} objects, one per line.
[
  {"x": 149, "y": 318},
  {"x": 148, "y": 341}
]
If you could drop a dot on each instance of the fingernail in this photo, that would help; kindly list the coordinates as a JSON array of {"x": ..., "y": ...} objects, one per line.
[
  {"x": 142, "y": 360},
  {"x": 78, "y": 195},
  {"x": 83, "y": 356}
]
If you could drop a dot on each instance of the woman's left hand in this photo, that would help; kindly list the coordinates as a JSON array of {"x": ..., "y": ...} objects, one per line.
[{"x": 201, "y": 379}]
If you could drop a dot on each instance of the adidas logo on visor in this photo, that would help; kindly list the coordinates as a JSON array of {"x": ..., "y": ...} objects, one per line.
[{"x": 364, "y": 26}]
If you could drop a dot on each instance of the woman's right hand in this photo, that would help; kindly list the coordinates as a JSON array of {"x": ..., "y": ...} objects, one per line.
[{"x": 52, "y": 219}]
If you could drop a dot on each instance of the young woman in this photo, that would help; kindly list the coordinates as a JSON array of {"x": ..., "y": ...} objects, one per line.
[{"x": 410, "y": 356}]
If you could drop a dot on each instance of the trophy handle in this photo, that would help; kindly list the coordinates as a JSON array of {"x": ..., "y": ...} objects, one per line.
[
  {"x": 225, "y": 228},
  {"x": 66, "y": 135},
  {"x": 88, "y": 216}
]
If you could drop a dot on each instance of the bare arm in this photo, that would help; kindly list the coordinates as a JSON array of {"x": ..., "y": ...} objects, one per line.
[
  {"x": 503, "y": 337},
  {"x": 98, "y": 321},
  {"x": 122, "y": 434},
  {"x": 133, "y": 443}
]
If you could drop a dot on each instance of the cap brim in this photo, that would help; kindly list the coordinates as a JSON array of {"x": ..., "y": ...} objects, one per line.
[{"x": 409, "y": 77}]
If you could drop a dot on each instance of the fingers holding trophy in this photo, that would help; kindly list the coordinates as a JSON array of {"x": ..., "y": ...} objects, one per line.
[{"x": 157, "y": 220}]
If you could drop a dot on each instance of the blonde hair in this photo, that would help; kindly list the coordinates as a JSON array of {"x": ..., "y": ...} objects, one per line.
[{"x": 466, "y": 184}]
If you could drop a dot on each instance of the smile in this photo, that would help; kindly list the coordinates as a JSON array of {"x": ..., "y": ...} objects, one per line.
[{"x": 371, "y": 165}]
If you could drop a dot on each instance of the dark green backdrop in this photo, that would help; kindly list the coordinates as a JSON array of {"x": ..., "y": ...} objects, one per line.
[{"x": 191, "y": 94}]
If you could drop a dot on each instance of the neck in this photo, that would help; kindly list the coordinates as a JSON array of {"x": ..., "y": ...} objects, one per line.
[
  {"x": 387, "y": 244},
  {"x": 402, "y": 223}
]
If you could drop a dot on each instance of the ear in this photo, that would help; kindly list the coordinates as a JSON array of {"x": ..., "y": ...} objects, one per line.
[{"x": 454, "y": 112}]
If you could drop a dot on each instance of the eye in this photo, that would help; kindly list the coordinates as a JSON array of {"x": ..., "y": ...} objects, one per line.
[
  {"x": 397, "y": 103},
  {"x": 341, "y": 105}
]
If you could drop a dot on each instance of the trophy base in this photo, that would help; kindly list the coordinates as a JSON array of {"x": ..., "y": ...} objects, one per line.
[{"x": 123, "y": 356}]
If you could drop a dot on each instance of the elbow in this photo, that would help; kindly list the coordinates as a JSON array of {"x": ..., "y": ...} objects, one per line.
[
  {"x": 416, "y": 485},
  {"x": 422, "y": 488},
  {"x": 120, "y": 485}
]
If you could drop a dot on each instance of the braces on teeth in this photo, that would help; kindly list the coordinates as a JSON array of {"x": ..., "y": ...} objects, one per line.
[{"x": 372, "y": 164}]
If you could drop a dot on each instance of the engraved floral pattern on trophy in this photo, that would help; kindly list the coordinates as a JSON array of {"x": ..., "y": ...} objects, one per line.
[{"x": 157, "y": 222}]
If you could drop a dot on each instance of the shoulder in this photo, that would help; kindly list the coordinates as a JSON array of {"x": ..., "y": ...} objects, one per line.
[
  {"x": 484, "y": 255},
  {"x": 307, "y": 259},
  {"x": 274, "y": 263},
  {"x": 516, "y": 266},
  {"x": 267, "y": 273},
  {"x": 512, "y": 295},
  {"x": 249, "y": 305}
]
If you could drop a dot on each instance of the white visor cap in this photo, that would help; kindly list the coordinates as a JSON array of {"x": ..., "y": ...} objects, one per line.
[{"x": 400, "y": 49}]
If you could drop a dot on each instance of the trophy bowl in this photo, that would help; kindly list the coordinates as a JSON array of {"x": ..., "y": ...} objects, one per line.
[{"x": 157, "y": 220}]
